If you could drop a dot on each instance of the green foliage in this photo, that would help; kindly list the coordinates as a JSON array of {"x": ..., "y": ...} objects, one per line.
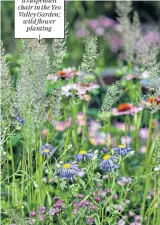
[
  {"x": 131, "y": 31},
  {"x": 89, "y": 60},
  {"x": 59, "y": 51},
  {"x": 111, "y": 97}
]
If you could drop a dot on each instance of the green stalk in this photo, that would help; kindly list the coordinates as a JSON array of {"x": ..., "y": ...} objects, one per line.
[
  {"x": 66, "y": 143},
  {"x": 84, "y": 127},
  {"x": 74, "y": 124},
  {"x": 147, "y": 166},
  {"x": 13, "y": 172},
  {"x": 137, "y": 125}
]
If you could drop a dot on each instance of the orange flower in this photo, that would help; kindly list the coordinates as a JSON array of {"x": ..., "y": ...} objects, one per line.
[
  {"x": 85, "y": 85},
  {"x": 62, "y": 73},
  {"x": 124, "y": 107}
]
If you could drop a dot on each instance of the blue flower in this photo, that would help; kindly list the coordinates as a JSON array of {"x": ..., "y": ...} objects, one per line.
[
  {"x": 108, "y": 164},
  {"x": 20, "y": 119},
  {"x": 84, "y": 155},
  {"x": 47, "y": 150},
  {"x": 104, "y": 150},
  {"x": 122, "y": 150},
  {"x": 70, "y": 170}
]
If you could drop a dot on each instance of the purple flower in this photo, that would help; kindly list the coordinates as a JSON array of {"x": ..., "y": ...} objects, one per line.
[
  {"x": 121, "y": 222},
  {"x": 108, "y": 163},
  {"x": 122, "y": 150},
  {"x": 93, "y": 24},
  {"x": 80, "y": 196},
  {"x": 70, "y": 171},
  {"x": 106, "y": 22},
  {"x": 97, "y": 199},
  {"x": 131, "y": 213},
  {"x": 47, "y": 150},
  {"x": 41, "y": 210},
  {"x": 104, "y": 150},
  {"x": 84, "y": 155},
  {"x": 90, "y": 221},
  {"x": 84, "y": 204},
  {"x": 32, "y": 214},
  {"x": 81, "y": 33},
  {"x": 124, "y": 181},
  {"x": 20, "y": 119},
  {"x": 100, "y": 31},
  {"x": 57, "y": 208},
  {"x": 143, "y": 133}
]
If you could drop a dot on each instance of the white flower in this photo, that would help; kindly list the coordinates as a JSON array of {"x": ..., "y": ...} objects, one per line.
[
  {"x": 157, "y": 168},
  {"x": 35, "y": 184},
  {"x": 96, "y": 151},
  {"x": 58, "y": 165}
]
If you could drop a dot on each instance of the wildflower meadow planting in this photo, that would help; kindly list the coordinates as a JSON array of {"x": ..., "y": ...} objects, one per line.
[{"x": 80, "y": 144}]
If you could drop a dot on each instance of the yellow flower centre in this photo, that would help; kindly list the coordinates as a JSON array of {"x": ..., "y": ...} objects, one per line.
[
  {"x": 106, "y": 157},
  {"x": 66, "y": 166},
  {"x": 46, "y": 150},
  {"x": 121, "y": 146},
  {"x": 82, "y": 152}
]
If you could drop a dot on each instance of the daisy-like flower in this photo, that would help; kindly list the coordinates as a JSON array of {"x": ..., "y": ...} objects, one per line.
[
  {"x": 78, "y": 89},
  {"x": 69, "y": 89},
  {"x": 125, "y": 109},
  {"x": 84, "y": 155},
  {"x": 62, "y": 125},
  {"x": 66, "y": 74},
  {"x": 70, "y": 171},
  {"x": 47, "y": 150},
  {"x": 152, "y": 103},
  {"x": 108, "y": 163},
  {"x": 122, "y": 150}
]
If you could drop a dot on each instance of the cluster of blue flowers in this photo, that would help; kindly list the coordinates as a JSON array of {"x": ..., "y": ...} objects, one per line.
[{"x": 71, "y": 170}]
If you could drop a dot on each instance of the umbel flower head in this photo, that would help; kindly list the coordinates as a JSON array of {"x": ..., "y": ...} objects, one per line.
[
  {"x": 123, "y": 150},
  {"x": 47, "y": 150},
  {"x": 70, "y": 171},
  {"x": 84, "y": 155},
  {"x": 108, "y": 164}
]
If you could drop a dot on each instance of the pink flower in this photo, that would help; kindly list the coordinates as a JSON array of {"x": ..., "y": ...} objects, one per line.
[
  {"x": 143, "y": 149},
  {"x": 44, "y": 133},
  {"x": 81, "y": 33},
  {"x": 107, "y": 22},
  {"x": 143, "y": 133},
  {"x": 93, "y": 24},
  {"x": 126, "y": 140},
  {"x": 121, "y": 222},
  {"x": 100, "y": 31},
  {"x": 131, "y": 213},
  {"x": 126, "y": 109},
  {"x": 81, "y": 119},
  {"x": 61, "y": 125}
]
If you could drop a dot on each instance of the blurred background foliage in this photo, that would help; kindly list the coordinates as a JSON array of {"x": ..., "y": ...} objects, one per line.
[{"x": 76, "y": 11}]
